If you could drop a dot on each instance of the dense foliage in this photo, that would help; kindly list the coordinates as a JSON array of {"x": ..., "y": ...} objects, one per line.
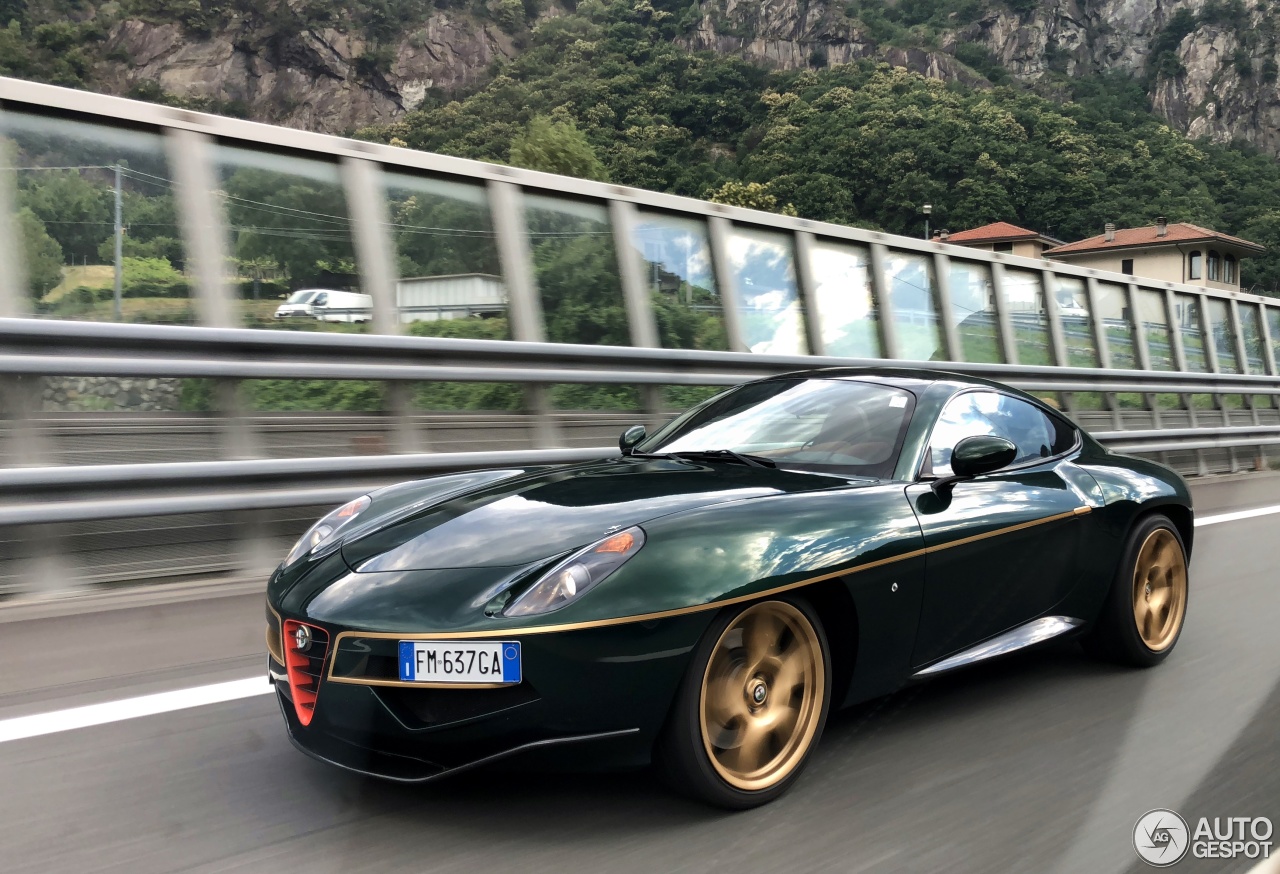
[
  {"x": 861, "y": 144},
  {"x": 606, "y": 91}
]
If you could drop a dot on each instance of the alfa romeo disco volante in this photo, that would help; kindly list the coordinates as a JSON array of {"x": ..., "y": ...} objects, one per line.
[{"x": 794, "y": 544}]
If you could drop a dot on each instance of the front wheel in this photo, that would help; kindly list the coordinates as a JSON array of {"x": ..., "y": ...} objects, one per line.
[
  {"x": 1147, "y": 605},
  {"x": 752, "y": 705}
]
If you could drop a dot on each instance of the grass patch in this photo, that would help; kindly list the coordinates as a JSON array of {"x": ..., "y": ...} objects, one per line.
[{"x": 90, "y": 276}]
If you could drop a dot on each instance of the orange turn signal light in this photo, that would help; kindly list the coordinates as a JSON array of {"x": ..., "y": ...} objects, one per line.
[
  {"x": 620, "y": 543},
  {"x": 346, "y": 511}
]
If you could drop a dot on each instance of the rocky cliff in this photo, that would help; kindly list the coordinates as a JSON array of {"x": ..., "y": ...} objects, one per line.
[
  {"x": 1209, "y": 66},
  {"x": 302, "y": 76}
]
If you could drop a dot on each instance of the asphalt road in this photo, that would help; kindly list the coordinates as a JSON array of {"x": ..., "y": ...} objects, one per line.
[{"x": 1039, "y": 763}]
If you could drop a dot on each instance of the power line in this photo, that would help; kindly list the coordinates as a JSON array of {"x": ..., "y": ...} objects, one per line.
[{"x": 73, "y": 167}]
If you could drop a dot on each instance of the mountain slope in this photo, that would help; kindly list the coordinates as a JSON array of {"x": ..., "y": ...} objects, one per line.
[{"x": 855, "y": 112}]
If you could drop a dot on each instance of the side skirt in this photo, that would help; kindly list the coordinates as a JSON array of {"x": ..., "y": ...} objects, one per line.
[{"x": 1036, "y": 631}]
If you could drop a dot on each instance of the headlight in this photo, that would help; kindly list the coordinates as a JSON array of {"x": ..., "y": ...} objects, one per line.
[
  {"x": 580, "y": 572},
  {"x": 323, "y": 531}
]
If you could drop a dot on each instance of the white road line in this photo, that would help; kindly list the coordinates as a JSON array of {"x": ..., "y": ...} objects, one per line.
[
  {"x": 1238, "y": 515},
  {"x": 20, "y": 727},
  {"x": 38, "y": 724}
]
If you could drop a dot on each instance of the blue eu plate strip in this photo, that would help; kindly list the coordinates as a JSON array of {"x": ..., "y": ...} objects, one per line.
[
  {"x": 511, "y": 662},
  {"x": 406, "y": 660}
]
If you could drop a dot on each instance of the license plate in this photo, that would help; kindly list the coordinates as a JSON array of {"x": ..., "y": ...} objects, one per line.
[{"x": 449, "y": 661}]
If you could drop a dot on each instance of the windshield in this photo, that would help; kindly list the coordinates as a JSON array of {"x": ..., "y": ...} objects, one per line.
[
  {"x": 301, "y": 297},
  {"x": 805, "y": 424}
]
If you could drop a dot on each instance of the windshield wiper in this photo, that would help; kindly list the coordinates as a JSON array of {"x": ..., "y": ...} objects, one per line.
[{"x": 726, "y": 455}]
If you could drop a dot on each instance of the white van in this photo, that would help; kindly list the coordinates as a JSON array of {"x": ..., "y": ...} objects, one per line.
[{"x": 326, "y": 305}]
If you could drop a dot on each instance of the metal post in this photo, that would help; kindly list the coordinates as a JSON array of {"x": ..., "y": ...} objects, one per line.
[
  {"x": 1057, "y": 339},
  {"x": 1242, "y": 356},
  {"x": 1180, "y": 363},
  {"x": 718, "y": 232},
  {"x": 1268, "y": 352},
  {"x": 1008, "y": 344},
  {"x": 366, "y": 196},
  {"x": 1175, "y": 332},
  {"x": 1206, "y": 332},
  {"x": 640, "y": 318},
  {"x": 1097, "y": 324},
  {"x": 119, "y": 244},
  {"x": 44, "y": 566},
  {"x": 1211, "y": 357},
  {"x": 506, "y": 205},
  {"x": 1141, "y": 349},
  {"x": 204, "y": 232},
  {"x": 204, "y": 236},
  {"x": 807, "y": 283},
  {"x": 15, "y": 298},
  {"x": 950, "y": 330},
  {"x": 889, "y": 344},
  {"x": 1141, "y": 354},
  {"x": 1237, "y": 330}
]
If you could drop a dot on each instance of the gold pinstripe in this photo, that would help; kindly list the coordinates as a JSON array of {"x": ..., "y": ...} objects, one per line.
[{"x": 649, "y": 617}]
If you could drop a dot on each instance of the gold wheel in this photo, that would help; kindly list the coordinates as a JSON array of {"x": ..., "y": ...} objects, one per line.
[
  {"x": 762, "y": 695},
  {"x": 1159, "y": 589}
]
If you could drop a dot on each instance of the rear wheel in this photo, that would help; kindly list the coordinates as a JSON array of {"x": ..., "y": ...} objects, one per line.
[
  {"x": 751, "y": 707},
  {"x": 1147, "y": 605}
]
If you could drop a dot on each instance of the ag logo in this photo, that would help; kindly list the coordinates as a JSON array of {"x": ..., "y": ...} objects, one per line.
[{"x": 1161, "y": 838}]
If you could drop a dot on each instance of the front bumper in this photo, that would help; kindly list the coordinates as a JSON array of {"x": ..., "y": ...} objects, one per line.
[
  {"x": 590, "y": 699},
  {"x": 370, "y": 762}
]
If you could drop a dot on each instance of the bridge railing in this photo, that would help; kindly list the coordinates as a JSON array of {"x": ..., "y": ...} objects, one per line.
[{"x": 604, "y": 285}]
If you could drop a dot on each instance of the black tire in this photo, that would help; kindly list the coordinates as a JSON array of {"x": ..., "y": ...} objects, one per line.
[
  {"x": 685, "y": 750},
  {"x": 1116, "y": 636}
]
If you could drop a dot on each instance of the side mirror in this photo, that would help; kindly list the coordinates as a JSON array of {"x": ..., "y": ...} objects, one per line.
[
  {"x": 630, "y": 438},
  {"x": 974, "y": 456}
]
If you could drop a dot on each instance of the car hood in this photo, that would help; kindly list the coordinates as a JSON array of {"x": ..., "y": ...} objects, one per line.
[{"x": 513, "y": 518}]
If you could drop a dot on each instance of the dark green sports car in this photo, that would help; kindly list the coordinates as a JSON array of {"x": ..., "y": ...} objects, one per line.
[{"x": 791, "y": 545}]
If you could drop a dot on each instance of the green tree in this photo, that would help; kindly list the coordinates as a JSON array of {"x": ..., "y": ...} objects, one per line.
[
  {"x": 76, "y": 211},
  {"x": 41, "y": 252},
  {"x": 556, "y": 147},
  {"x": 750, "y": 195},
  {"x": 295, "y": 220},
  {"x": 152, "y": 277}
]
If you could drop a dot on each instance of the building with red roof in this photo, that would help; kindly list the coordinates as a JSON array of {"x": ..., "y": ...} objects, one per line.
[
  {"x": 1002, "y": 237},
  {"x": 1178, "y": 252}
]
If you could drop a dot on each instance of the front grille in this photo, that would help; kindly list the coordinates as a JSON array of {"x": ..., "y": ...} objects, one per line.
[{"x": 305, "y": 668}]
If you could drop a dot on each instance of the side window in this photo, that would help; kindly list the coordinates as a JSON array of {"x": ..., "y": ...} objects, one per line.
[
  {"x": 986, "y": 413},
  {"x": 321, "y": 300}
]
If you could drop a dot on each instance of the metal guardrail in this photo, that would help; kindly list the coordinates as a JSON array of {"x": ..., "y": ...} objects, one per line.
[
  {"x": 773, "y": 282},
  {"x": 66, "y": 494},
  {"x": 35, "y": 347}
]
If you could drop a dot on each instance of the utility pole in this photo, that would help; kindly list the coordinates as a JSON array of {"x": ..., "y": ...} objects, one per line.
[
  {"x": 927, "y": 210},
  {"x": 119, "y": 247}
]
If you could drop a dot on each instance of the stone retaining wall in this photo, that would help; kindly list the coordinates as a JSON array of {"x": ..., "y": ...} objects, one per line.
[{"x": 86, "y": 394}]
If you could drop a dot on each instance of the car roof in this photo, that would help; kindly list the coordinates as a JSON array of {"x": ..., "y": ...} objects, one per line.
[
  {"x": 906, "y": 377},
  {"x": 916, "y": 379}
]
